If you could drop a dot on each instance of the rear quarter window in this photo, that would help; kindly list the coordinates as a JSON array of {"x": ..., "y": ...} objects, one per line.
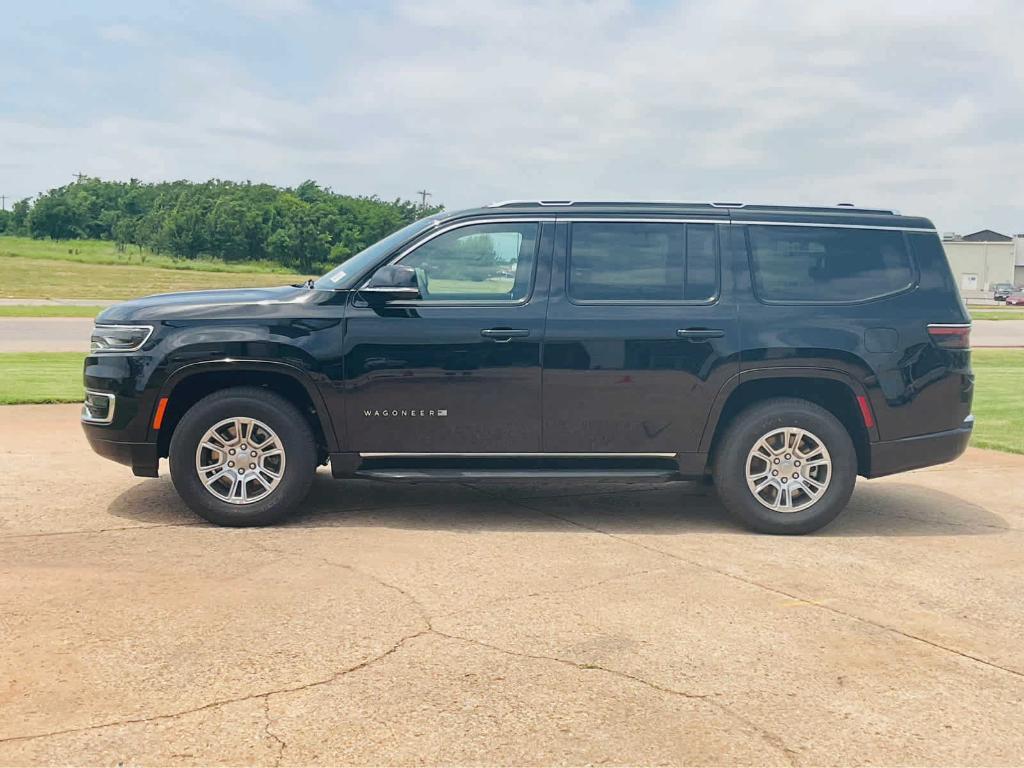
[{"x": 828, "y": 264}]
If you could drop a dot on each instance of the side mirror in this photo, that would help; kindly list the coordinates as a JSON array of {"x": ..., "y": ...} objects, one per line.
[{"x": 392, "y": 282}]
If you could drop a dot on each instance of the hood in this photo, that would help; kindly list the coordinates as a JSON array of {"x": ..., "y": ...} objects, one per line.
[{"x": 219, "y": 304}]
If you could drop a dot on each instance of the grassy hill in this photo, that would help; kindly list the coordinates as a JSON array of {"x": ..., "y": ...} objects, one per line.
[{"x": 95, "y": 269}]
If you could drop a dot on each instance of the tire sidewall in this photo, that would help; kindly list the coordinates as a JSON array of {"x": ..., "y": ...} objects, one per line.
[
  {"x": 278, "y": 414},
  {"x": 748, "y": 427}
]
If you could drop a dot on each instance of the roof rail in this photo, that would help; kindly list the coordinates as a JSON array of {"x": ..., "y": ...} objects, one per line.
[
  {"x": 712, "y": 203},
  {"x": 504, "y": 203}
]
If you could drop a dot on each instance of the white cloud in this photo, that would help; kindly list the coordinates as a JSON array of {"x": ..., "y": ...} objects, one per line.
[{"x": 912, "y": 105}]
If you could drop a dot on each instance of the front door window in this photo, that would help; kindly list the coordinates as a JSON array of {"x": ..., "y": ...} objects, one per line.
[{"x": 483, "y": 262}]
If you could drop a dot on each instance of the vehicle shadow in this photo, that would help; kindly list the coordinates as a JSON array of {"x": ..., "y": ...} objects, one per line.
[{"x": 876, "y": 509}]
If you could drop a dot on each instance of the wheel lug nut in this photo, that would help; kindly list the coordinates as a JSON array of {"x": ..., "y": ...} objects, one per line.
[
  {"x": 231, "y": 463},
  {"x": 253, "y": 466},
  {"x": 785, "y": 479},
  {"x": 253, "y": 454},
  {"x": 775, "y": 472},
  {"x": 232, "y": 451},
  {"x": 796, "y": 463},
  {"x": 787, "y": 455},
  {"x": 796, "y": 475},
  {"x": 241, "y": 471},
  {"x": 776, "y": 461}
]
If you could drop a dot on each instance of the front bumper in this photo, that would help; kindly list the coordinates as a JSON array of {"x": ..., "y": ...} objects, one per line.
[
  {"x": 908, "y": 453},
  {"x": 143, "y": 458}
]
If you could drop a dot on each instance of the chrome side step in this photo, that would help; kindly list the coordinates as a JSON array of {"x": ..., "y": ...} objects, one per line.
[{"x": 512, "y": 474}]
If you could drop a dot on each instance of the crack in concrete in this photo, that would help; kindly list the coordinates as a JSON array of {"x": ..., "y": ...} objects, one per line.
[
  {"x": 773, "y": 740},
  {"x": 770, "y": 738},
  {"x": 269, "y": 721},
  {"x": 223, "y": 702},
  {"x": 784, "y": 593},
  {"x": 89, "y": 532},
  {"x": 548, "y": 592},
  {"x": 948, "y": 523}
]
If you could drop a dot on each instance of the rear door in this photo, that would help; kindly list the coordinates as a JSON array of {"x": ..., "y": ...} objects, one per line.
[{"x": 641, "y": 334}]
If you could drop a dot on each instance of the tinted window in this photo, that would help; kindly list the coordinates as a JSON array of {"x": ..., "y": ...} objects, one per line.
[
  {"x": 828, "y": 264},
  {"x": 642, "y": 262},
  {"x": 479, "y": 262}
]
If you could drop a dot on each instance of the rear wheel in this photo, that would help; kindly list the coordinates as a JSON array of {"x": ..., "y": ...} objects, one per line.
[
  {"x": 243, "y": 456},
  {"x": 785, "y": 466}
]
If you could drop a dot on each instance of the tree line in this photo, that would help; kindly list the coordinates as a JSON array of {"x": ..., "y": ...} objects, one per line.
[{"x": 307, "y": 228}]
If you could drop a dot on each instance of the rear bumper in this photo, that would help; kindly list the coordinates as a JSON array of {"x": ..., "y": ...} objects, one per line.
[
  {"x": 141, "y": 457},
  {"x": 908, "y": 453}
]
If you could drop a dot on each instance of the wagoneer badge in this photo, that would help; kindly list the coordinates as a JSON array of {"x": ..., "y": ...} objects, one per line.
[{"x": 414, "y": 412}]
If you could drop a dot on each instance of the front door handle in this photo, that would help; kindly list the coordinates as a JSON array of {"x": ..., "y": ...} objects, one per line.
[
  {"x": 698, "y": 334},
  {"x": 504, "y": 334}
]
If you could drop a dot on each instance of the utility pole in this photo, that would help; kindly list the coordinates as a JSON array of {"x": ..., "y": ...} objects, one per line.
[
  {"x": 423, "y": 197},
  {"x": 3, "y": 202},
  {"x": 79, "y": 176}
]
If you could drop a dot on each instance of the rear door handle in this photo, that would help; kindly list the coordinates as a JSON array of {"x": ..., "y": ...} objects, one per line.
[
  {"x": 504, "y": 334},
  {"x": 696, "y": 334}
]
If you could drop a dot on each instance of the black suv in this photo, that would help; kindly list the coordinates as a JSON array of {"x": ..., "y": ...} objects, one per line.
[{"x": 781, "y": 351}]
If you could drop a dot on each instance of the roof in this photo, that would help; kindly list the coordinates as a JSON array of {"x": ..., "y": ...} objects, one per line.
[
  {"x": 846, "y": 215},
  {"x": 986, "y": 236}
]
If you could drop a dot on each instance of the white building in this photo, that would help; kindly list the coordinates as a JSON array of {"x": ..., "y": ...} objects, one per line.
[{"x": 982, "y": 259}]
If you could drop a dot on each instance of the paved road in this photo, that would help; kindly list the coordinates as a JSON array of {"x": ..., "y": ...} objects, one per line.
[
  {"x": 71, "y": 334},
  {"x": 514, "y": 624},
  {"x": 997, "y": 333},
  {"x": 45, "y": 334}
]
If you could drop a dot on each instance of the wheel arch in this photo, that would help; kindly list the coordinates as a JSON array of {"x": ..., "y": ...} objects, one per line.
[
  {"x": 834, "y": 390},
  {"x": 190, "y": 383}
]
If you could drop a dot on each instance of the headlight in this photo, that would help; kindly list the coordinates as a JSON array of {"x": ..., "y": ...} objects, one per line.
[{"x": 119, "y": 338}]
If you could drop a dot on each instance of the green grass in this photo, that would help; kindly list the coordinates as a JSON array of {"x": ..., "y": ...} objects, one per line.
[
  {"x": 999, "y": 399},
  {"x": 50, "y": 310},
  {"x": 1010, "y": 313},
  {"x": 41, "y": 377},
  {"x": 32, "y": 278},
  {"x": 106, "y": 252}
]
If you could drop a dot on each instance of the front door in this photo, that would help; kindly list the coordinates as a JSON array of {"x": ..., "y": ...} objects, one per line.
[
  {"x": 456, "y": 371},
  {"x": 641, "y": 335}
]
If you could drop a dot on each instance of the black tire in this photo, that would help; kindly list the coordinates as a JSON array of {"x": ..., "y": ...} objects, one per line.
[
  {"x": 278, "y": 414},
  {"x": 746, "y": 429}
]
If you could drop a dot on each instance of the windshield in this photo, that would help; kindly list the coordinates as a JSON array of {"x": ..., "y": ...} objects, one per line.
[{"x": 345, "y": 274}]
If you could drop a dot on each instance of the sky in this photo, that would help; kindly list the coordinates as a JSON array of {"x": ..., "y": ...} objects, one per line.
[{"x": 917, "y": 106}]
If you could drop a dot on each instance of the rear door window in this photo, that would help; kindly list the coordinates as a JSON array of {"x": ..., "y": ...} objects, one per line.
[
  {"x": 634, "y": 262},
  {"x": 828, "y": 264}
]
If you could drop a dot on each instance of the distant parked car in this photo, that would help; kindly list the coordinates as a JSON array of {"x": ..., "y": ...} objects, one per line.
[
  {"x": 1001, "y": 290},
  {"x": 1015, "y": 299}
]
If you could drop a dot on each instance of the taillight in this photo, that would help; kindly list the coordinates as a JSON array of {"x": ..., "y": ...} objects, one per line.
[{"x": 951, "y": 336}]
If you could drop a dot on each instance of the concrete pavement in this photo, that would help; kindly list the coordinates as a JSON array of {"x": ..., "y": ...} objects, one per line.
[
  {"x": 71, "y": 334},
  {"x": 534, "y": 623}
]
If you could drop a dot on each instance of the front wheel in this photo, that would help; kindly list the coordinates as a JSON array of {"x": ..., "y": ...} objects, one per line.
[
  {"x": 242, "y": 457},
  {"x": 785, "y": 466}
]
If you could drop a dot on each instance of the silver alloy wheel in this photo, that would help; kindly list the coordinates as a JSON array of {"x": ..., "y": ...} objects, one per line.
[
  {"x": 788, "y": 469},
  {"x": 240, "y": 460}
]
